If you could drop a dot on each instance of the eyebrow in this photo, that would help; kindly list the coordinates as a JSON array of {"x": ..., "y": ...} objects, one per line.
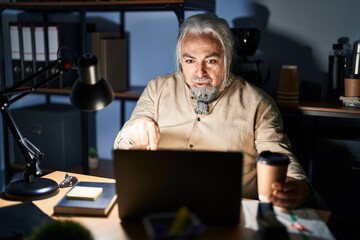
[{"x": 214, "y": 54}]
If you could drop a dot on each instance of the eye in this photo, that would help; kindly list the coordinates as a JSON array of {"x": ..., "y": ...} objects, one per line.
[
  {"x": 189, "y": 61},
  {"x": 212, "y": 61}
]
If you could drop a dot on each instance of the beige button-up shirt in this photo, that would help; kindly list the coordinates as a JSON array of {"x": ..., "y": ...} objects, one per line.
[{"x": 243, "y": 118}]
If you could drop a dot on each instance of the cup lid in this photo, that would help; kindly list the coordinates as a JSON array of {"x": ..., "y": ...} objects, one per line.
[
  {"x": 273, "y": 158},
  {"x": 353, "y": 76}
]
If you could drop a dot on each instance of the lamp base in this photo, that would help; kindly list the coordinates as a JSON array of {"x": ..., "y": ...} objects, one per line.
[{"x": 39, "y": 189}]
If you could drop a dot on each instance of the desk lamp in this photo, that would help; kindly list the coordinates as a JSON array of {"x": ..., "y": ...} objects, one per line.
[{"x": 89, "y": 93}]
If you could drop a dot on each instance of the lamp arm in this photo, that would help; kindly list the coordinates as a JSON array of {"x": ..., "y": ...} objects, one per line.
[
  {"x": 22, "y": 92},
  {"x": 16, "y": 86},
  {"x": 32, "y": 155},
  {"x": 35, "y": 153}
]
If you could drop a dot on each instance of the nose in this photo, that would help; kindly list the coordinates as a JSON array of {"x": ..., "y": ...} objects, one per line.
[{"x": 200, "y": 69}]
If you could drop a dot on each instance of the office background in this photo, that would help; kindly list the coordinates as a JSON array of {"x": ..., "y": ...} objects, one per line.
[{"x": 293, "y": 32}]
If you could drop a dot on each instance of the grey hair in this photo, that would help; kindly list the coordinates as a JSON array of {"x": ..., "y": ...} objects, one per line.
[{"x": 208, "y": 23}]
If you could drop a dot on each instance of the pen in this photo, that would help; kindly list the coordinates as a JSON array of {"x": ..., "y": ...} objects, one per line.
[{"x": 295, "y": 223}]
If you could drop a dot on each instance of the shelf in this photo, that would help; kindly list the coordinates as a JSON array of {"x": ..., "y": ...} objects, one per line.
[
  {"x": 330, "y": 108},
  {"x": 133, "y": 93},
  {"x": 323, "y": 108},
  {"x": 130, "y": 5}
]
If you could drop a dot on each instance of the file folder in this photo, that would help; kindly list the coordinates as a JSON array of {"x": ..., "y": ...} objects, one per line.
[
  {"x": 52, "y": 49},
  {"x": 40, "y": 58},
  {"x": 27, "y": 22},
  {"x": 28, "y": 56},
  {"x": 15, "y": 52},
  {"x": 67, "y": 36}
]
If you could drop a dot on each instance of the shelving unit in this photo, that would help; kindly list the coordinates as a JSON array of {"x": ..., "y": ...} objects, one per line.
[{"x": 177, "y": 6}]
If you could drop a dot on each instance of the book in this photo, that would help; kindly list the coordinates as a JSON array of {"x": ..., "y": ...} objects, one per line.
[{"x": 99, "y": 207}]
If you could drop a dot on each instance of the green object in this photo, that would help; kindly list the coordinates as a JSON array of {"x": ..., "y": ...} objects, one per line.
[
  {"x": 92, "y": 152},
  {"x": 60, "y": 230}
]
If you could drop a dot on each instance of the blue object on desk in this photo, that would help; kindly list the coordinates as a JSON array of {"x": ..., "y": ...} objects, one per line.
[{"x": 159, "y": 226}]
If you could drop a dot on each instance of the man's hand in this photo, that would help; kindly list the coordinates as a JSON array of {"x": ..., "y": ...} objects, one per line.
[
  {"x": 292, "y": 193},
  {"x": 144, "y": 131}
]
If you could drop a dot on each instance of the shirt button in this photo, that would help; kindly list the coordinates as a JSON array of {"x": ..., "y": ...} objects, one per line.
[
  {"x": 191, "y": 146},
  {"x": 198, "y": 119}
]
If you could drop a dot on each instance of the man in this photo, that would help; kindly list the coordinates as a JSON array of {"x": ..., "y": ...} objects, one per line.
[{"x": 203, "y": 106}]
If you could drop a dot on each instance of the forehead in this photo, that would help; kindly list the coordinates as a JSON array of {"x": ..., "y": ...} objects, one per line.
[{"x": 196, "y": 43}]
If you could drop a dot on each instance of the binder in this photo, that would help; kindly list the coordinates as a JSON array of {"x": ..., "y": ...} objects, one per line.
[
  {"x": 40, "y": 58},
  {"x": 94, "y": 42},
  {"x": 52, "y": 49},
  {"x": 64, "y": 35},
  {"x": 15, "y": 52},
  {"x": 28, "y": 56},
  {"x": 114, "y": 62},
  {"x": 111, "y": 51}
]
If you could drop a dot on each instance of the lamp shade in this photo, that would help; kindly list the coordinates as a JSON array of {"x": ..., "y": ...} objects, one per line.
[{"x": 90, "y": 92}]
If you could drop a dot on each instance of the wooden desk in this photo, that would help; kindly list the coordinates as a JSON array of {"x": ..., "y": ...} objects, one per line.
[{"x": 110, "y": 227}]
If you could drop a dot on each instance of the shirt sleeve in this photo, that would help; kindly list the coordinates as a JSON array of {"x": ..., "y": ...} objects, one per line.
[
  {"x": 270, "y": 136},
  {"x": 144, "y": 108}
]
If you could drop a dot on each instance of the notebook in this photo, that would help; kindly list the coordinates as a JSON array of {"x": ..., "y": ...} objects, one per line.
[{"x": 208, "y": 183}]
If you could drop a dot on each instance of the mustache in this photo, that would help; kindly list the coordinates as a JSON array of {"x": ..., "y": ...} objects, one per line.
[{"x": 202, "y": 80}]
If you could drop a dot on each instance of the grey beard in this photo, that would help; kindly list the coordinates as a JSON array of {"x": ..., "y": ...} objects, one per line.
[{"x": 203, "y": 96}]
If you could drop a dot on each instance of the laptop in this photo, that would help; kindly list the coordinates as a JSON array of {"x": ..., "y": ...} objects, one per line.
[{"x": 208, "y": 183}]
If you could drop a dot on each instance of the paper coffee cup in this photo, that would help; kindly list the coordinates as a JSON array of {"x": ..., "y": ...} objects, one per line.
[
  {"x": 288, "y": 85},
  {"x": 352, "y": 86},
  {"x": 271, "y": 168}
]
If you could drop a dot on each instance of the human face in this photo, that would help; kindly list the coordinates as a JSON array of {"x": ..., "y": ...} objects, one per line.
[{"x": 202, "y": 61}]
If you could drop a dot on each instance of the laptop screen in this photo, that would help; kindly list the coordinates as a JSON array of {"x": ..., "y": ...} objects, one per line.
[{"x": 206, "y": 182}]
